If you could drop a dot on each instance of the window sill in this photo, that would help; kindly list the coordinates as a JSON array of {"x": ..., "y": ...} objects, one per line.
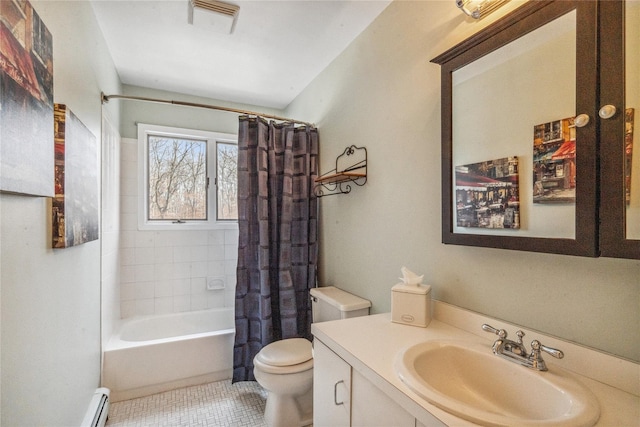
[{"x": 170, "y": 226}]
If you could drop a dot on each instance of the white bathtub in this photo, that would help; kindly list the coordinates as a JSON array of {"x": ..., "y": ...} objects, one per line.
[{"x": 151, "y": 354}]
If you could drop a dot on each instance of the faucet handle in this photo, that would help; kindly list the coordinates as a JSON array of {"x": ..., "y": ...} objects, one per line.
[
  {"x": 520, "y": 335},
  {"x": 537, "y": 346},
  {"x": 535, "y": 358},
  {"x": 499, "y": 332}
]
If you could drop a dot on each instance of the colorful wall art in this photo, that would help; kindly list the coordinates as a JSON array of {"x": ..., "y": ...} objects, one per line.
[
  {"x": 628, "y": 151},
  {"x": 26, "y": 97},
  {"x": 554, "y": 162},
  {"x": 487, "y": 194},
  {"x": 75, "y": 207}
]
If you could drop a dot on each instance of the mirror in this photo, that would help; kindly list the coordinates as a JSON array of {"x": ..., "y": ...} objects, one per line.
[
  {"x": 500, "y": 110},
  {"x": 632, "y": 113},
  {"x": 517, "y": 173}
]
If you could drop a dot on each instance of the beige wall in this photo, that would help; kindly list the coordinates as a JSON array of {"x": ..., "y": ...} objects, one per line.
[
  {"x": 384, "y": 94},
  {"x": 50, "y": 312}
]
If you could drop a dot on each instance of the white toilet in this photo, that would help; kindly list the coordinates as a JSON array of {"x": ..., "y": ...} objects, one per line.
[{"x": 285, "y": 368}]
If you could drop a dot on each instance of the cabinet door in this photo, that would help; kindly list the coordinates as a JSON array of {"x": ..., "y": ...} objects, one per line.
[
  {"x": 497, "y": 101},
  {"x": 370, "y": 407},
  {"x": 620, "y": 166},
  {"x": 331, "y": 388}
]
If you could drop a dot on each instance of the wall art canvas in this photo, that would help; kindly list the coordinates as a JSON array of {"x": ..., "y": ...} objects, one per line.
[
  {"x": 628, "y": 151},
  {"x": 26, "y": 98},
  {"x": 487, "y": 194},
  {"x": 75, "y": 207},
  {"x": 554, "y": 162}
]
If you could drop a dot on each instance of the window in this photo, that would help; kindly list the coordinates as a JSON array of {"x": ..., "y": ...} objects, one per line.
[
  {"x": 188, "y": 178},
  {"x": 227, "y": 181},
  {"x": 177, "y": 178}
]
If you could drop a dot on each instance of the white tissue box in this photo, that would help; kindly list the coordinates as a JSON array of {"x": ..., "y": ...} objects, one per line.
[{"x": 411, "y": 304}]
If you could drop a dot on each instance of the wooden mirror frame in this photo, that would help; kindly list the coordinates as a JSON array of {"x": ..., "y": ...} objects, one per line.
[
  {"x": 613, "y": 221},
  {"x": 521, "y": 21}
]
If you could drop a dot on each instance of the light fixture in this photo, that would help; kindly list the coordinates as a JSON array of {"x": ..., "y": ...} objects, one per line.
[
  {"x": 479, "y": 8},
  {"x": 222, "y": 15}
]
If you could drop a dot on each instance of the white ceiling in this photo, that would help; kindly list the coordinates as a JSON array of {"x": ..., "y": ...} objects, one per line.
[{"x": 275, "y": 51}]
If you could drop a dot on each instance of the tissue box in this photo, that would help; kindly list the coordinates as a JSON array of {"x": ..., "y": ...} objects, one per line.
[{"x": 411, "y": 304}]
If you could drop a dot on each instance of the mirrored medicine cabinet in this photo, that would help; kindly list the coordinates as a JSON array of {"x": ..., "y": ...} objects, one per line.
[{"x": 538, "y": 133}]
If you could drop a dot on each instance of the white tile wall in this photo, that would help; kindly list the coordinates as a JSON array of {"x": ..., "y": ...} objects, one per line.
[
  {"x": 166, "y": 271},
  {"x": 110, "y": 235}
]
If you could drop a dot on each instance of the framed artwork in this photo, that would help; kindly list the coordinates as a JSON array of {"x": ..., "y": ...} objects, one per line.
[
  {"x": 628, "y": 151},
  {"x": 487, "y": 194},
  {"x": 75, "y": 207},
  {"x": 554, "y": 162},
  {"x": 26, "y": 97}
]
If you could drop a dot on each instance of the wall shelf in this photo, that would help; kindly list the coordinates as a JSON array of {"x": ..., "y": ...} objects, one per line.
[{"x": 351, "y": 168}]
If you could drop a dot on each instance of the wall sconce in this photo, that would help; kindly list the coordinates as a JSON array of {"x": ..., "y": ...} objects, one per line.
[{"x": 479, "y": 8}]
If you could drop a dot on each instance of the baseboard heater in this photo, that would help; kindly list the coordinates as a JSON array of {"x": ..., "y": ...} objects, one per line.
[{"x": 98, "y": 410}]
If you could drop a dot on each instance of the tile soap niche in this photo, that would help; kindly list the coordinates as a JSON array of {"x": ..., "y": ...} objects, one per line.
[{"x": 215, "y": 283}]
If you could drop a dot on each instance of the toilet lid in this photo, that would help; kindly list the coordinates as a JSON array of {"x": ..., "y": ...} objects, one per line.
[{"x": 287, "y": 352}]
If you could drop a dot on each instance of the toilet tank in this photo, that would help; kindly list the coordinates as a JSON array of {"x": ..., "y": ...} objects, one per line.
[{"x": 331, "y": 303}]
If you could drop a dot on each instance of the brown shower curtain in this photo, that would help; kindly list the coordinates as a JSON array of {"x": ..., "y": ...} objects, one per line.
[{"x": 277, "y": 248}]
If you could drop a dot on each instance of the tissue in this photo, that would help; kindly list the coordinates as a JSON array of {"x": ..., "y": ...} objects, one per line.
[{"x": 409, "y": 277}]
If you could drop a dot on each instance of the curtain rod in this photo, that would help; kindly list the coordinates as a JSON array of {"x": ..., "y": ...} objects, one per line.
[{"x": 106, "y": 98}]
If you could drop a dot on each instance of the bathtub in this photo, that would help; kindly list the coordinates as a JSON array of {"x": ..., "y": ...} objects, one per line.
[{"x": 151, "y": 354}]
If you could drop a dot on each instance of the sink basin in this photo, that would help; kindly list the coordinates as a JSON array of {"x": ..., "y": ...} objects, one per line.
[{"x": 469, "y": 381}]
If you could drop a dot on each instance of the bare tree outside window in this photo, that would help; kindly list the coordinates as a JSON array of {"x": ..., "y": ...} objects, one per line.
[
  {"x": 227, "y": 181},
  {"x": 177, "y": 178}
]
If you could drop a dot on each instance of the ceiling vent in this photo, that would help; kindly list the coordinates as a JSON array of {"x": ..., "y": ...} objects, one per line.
[{"x": 222, "y": 16}]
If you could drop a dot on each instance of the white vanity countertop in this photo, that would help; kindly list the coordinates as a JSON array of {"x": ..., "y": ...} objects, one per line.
[{"x": 371, "y": 344}]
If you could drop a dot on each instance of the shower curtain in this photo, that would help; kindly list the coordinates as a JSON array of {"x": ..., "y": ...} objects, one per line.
[{"x": 277, "y": 247}]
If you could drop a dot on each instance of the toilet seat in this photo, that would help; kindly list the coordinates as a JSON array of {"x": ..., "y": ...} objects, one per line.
[
  {"x": 287, "y": 352},
  {"x": 286, "y": 356}
]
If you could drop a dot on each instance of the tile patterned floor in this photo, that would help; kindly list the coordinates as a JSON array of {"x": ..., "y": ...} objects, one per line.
[{"x": 214, "y": 404}]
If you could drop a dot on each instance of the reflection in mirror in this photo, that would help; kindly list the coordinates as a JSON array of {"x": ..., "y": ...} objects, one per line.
[
  {"x": 500, "y": 111},
  {"x": 632, "y": 101}
]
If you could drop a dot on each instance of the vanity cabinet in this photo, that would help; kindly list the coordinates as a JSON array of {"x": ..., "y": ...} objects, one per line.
[
  {"x": 371, "y": 345},
  {"x": 371, "y": 407},
  {"x": 331, "y": 388},
  {"x": 573, "y": 189},
  {"x": 344, "y": 397}
]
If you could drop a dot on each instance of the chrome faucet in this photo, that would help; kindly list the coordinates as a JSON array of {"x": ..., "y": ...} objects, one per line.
[{"x": 515, "y": 351}]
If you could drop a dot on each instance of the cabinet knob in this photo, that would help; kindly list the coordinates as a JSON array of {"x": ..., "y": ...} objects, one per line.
[
  {"x": 607, "y": 111},
  {"x": 581, "y": 120}
]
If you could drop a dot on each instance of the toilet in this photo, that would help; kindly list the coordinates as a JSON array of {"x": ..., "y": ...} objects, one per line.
[{"x": 285, "y": 368}]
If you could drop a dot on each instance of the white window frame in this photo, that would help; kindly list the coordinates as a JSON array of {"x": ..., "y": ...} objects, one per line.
[{"x": 212, "y": 138}]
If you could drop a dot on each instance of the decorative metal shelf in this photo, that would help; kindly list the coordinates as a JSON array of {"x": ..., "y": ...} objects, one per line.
[{"x": 351, "y": 168}]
